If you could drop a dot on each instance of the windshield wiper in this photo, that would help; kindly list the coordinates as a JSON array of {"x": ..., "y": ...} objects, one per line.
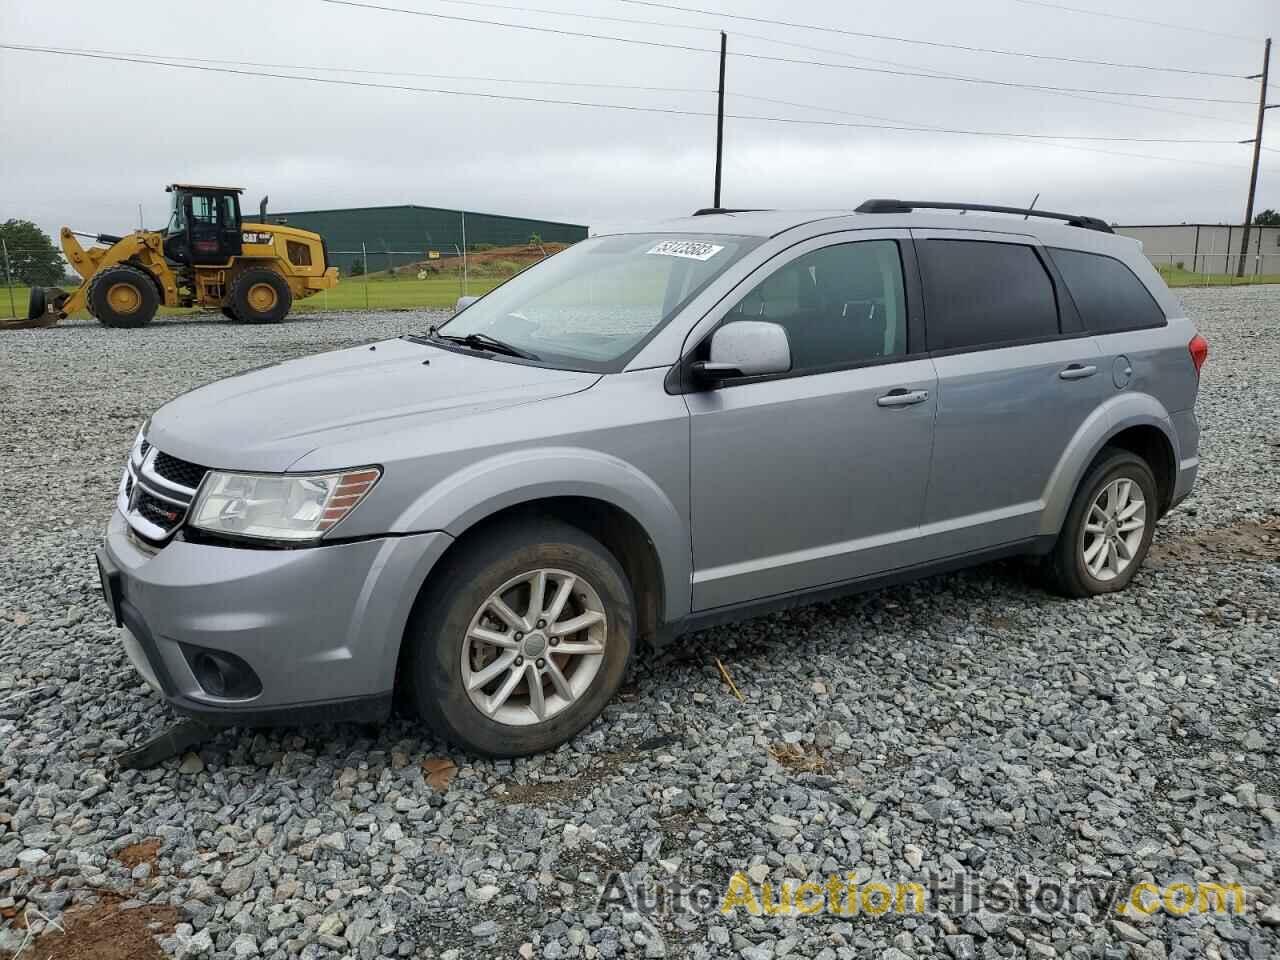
[{"x": 482, "y": 341}]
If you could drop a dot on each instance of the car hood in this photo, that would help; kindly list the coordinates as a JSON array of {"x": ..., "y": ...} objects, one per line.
[{"x": 268, "y": 418}]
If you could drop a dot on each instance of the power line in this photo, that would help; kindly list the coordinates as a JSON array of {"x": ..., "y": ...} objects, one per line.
[
  {"x": 57, "y": 51},
  {"x": 764, "y": 57},
  {"x": 627, "y": 86},
  {"x": 1147, "y": 107},
  {"x": 842, "y": 53},
  {"x": 1012, "y": 138},
  {"x": 149, "y": 57},
  {"x": 911, "y": 40},
  {"x": 1150, "y": 23}
]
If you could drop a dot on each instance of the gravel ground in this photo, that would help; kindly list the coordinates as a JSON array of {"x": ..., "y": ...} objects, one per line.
[{"x": 968, "y": 726}]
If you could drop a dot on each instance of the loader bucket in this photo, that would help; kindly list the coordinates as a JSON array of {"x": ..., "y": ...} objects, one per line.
[{"x": 39, "y": 313}]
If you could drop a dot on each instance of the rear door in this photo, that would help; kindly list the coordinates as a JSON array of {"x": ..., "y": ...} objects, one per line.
[
  {"x": 1125, "y": 319},
  {"x": 818, "y": 475},
  {"x": 1017, "y": 377}
]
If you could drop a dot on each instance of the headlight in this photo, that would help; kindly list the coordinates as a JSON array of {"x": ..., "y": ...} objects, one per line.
[{"x": 279, "y": 506}]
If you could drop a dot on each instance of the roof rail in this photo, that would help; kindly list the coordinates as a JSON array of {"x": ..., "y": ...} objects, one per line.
[
  {"x": 906, "y": 206},
  {"x": 705, "y": 211}
]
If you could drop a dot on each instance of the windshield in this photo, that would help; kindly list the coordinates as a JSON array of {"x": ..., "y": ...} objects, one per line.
[
  {"x": 177, "y": 220},
  {"x": 592, "y": 306}
]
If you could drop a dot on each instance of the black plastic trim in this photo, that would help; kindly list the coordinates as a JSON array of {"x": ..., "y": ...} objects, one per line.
[
  {"x": 137, "y": 626},
  {"x": 731, "y": 613},
  {"x": 368, "y": 709},
  {"x": 907, "y": 206}
]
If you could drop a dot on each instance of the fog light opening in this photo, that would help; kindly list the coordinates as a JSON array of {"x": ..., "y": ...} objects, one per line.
[{"x": 224, "y": 675}]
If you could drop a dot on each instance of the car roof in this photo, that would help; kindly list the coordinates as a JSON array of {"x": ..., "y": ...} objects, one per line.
[{"x": 772, "y": 223}]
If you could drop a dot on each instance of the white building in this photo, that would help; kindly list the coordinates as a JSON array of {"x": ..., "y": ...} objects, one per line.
[{"x": 1210, "y": 248}]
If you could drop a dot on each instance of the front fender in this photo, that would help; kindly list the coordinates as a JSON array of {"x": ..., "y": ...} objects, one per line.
[
  {"x": 1119, "y": 413},
  {"x": 458, "y": 502}
]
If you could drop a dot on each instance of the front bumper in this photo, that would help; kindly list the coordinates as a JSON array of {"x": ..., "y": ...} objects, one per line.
[{"x": 320, "y": 627}]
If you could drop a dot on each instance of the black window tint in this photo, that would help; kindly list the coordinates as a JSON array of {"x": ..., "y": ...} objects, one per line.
[
  {"x": 979, "y": 293},
  {"x": 840, "y": 305},
  {"x": 1107, "y": 294}
]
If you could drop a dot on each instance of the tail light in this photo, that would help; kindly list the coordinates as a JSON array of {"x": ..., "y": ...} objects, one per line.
[{"x": 1199, "y": 350}]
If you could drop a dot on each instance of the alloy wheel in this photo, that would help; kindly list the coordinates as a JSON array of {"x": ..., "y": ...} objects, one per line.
[
  {"x": 1113, "y": 529},
  {"x": 534, "y": 647}
]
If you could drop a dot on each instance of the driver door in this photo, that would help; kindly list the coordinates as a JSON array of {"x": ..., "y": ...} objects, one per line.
[
  {"x": 213, "y": 228},
  {"x": 816, "y": 476}
]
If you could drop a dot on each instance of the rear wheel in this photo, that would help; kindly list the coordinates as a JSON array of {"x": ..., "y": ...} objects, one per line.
[
  {"x": 1108, "y": 529},
  {"x": 523, "y": 640},
  {"x": 260, "y": 295},
  {"x": 122, "y": 296}
]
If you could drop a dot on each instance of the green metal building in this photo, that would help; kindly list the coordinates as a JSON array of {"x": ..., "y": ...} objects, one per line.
[{"x": 395, "y": 236}]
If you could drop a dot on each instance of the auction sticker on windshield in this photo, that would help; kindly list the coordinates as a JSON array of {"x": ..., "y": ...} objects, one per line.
[{"x": 689, "y": 249}]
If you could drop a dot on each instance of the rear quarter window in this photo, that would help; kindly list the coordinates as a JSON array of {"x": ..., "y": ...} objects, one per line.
[
  {"x": 1107, "y": 293},
  {"x": 980, "y": 293}
]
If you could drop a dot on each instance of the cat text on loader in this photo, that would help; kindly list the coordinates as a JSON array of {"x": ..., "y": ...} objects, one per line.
[{"x": 206, "y": 256}]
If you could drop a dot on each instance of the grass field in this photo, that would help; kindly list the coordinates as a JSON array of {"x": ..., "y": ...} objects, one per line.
[
  {"x": 383, "y": 293},
  {"x": 1185, "y": 278}
]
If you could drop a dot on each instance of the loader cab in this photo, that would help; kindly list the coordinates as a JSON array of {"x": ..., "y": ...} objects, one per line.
[{"x": 204, "y": 225}]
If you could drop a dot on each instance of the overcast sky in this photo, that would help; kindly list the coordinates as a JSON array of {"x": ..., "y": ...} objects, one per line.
[{"x": 86, "y": 141}]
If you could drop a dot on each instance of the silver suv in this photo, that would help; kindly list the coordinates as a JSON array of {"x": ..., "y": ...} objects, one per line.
[{"x": 646, "y": 434}]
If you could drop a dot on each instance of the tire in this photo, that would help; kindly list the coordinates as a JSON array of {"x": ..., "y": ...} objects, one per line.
[
  {"x": 1067, "y": 569},
  {"x": 122, "y": 296},
  {"x": 229, "y": 314},
  {"x": 260, "y": 295},
  {"x": 439, "y": 637},
  {"x": 37, "y": 303}
]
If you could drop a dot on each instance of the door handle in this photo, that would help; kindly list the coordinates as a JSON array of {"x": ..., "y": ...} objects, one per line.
[
  {"x": 1077, "y": 372},
  {"x": 902, "y": 397}
]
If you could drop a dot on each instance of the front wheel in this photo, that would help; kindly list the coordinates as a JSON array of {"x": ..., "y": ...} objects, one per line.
[
  {"x": 522, "y": 641},
  {"x": 1108, "y": 529},
  {"x": 260, "y": 295},
  {"x": 122, "y": 296}
]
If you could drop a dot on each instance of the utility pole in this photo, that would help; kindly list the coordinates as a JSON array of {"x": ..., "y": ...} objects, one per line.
[
  {"x": 1257, "y": 150},
  {"x": 720, "y": 118}
]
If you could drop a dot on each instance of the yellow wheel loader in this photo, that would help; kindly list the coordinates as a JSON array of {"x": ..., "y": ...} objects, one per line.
[{"x": 206, "y": 257}]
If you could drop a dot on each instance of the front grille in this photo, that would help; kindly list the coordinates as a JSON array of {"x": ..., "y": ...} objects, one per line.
[
  {"x": 156, "y": 492},
  {"x": 157, "y": 511},
  {"x": 179, "y": 471}
]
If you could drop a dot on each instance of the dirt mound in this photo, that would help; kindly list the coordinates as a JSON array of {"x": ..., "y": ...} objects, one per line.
[
  {"x": 102, "y": 931},
  {"x": 520, "y": 254}
]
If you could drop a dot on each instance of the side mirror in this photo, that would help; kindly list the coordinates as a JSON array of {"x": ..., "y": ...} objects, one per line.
[
  {"x": 746, "y": 348},
  {"x": 463, "y": 303}
]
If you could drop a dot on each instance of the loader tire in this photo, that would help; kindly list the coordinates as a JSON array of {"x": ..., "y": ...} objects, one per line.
[
  {"x": 260, "y": 295},
  {"x": 122, "y": 296},
  {"x": 37, "y": 304}
]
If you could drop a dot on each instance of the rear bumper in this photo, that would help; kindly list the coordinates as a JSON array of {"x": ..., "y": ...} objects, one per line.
[
  {"x": 1187, "y": 428},
  {"x": 320, "y": 628}
]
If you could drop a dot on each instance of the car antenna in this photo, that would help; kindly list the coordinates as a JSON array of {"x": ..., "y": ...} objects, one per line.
[{"x": 1027, "y": 215}]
